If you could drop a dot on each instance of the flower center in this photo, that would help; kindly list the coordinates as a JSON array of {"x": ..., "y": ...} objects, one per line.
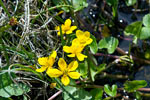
[{"x": 65, "y": 72}]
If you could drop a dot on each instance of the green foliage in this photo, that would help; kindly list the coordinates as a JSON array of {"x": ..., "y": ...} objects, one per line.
[
  {"x": 110, "y": 43},
  {"x": 138, "y": 95},
  {"x": 131, "y": 86},
  {"x": 114, "y": 4},
  {"x": 145, "y": 33},
  {"x": 14, "y": 89},
  {"x": 110, "y": 91},
  {"x": 130, "y": 2},
  {"x": 93, "y": 45},
  {"x": 78, "y": 94},
  {"x": 83, "y": 69},
  {"x": 77, "y": 4},
  {"x": 146, "y": 20},
  {"x": 97, "y": 94},
  {"x": 133, "y": 29},
  {"x": 137, "y": 30}
]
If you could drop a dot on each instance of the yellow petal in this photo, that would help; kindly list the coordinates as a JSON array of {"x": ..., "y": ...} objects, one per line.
[
  {"x": 42, "y": 69},
  {"x": 69, "y": 32},
  {"x": 62, "y": 64},
  {"x": 67, "y": 49},
  {"x": 75, "y": 42},
  {"x": 81, "y": 56},
  {"x": 73, "y": 28},
  {"x": 65, "y": 80},
  {"x": 53, "y": 54},
  {"x": 43, "y": 60},
  {"x": 73, "y": 66},
  {"x": 51, "y": 61},
  {"x": 74, "y": 75},
  {"x": 57, "y": 28},
  {"x": 58, "y": 33},
  {"x": 54, "y": 72},
  {"x": 89, "y": 41},
  {"x": 71, "y": 55},
  {"x": 79, "y": 33},
  {"x": 68, "y": 22},
  {"x": 87, "y": 34},
  {"x": 52, "y": 85}
]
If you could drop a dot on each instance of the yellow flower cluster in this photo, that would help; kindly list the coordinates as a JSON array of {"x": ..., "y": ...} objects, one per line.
[{"x": 82, "y": 39}]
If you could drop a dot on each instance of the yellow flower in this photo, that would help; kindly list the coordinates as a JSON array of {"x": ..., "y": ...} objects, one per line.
[
  {"x": 83, "y": 37},
  {"x": 52, "y": 85},
  {"x": 65, "y": 71},
  {"x": 66, "y": 27},
  {"x": 46, "y": 62},
  {"x": 75, "y": 49}
]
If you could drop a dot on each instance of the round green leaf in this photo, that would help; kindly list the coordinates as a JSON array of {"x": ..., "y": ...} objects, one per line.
[
  {"x": 110, "y": 43},
  {"x": 146, "y": 20},
  {"x": 145, "y": 33},
  {"x": 130, "y": 2}
]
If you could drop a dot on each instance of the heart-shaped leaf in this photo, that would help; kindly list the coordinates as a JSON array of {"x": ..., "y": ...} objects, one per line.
[
  {"x": 110, "y": 91},
  {"x": 110, "y": 43}
]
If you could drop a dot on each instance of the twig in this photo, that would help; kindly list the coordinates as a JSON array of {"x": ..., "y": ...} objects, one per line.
[{"x": 55, "y": 95}]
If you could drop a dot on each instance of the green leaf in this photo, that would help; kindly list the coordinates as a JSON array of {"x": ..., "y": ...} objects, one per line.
[
  {"x": 111, "y": 92},
  {"x": 131, "y": 86},
  {"x": 83, "y": 69},
  {"x": 130, "y": 2},
  {"x": 110, "y": 43},
  {"x": 79, "y": 94},
  {"x": 145, "y": 33},
  {"x": 133, "y": 29},
  {"x": 97, "y": 94},
  {"x": 77, "y": 4},
  {"x": 138, "y": 95},
  {"x": 112, "y": 2},
  {"x": 14, "y": 89},
  {"x": 92, "y": 62},
  {"x": 93, "y": 45},
  {"x": 101, "y": 67},
  {"x": 146, "y": 20}
]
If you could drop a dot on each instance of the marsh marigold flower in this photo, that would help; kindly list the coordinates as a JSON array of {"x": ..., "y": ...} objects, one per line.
[
  {"x": 83, "y": 37},
  {"x": 75, "y": 49},
  {"x": 46, "y": 62},
  {"x": 65, "y": 71},
  {"x": 66, "y": 27}
]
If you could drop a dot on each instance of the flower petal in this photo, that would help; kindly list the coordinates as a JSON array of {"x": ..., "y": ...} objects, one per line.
[
  {"x": 53, "y": 54},
  {"x": 65, "y": 80},
  {"x": 71, "y": 55},
  {"x": 73, "y": 28},
  {"x": 57, "y": 28},
  {"x": 73, "y": 66},
  {"x": 69, "y": 32},
  {"x": 67, "y": 49},
  {"x": 68, "y": 22},
  {"x": 81, "y": 56},
  {"x": 43, "y": 60},
  {"x": 74, "y": 75},
  {"x": 54, "y": 72},
  {"x": 51, "y": 61},
  {"x": 87, "y": 34},
  {"x": 79, "y": 33},
  {"x": 89, "y": 41},
  {"x": 62, "y": 64},
  {"x": 42, "y": 69}
]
